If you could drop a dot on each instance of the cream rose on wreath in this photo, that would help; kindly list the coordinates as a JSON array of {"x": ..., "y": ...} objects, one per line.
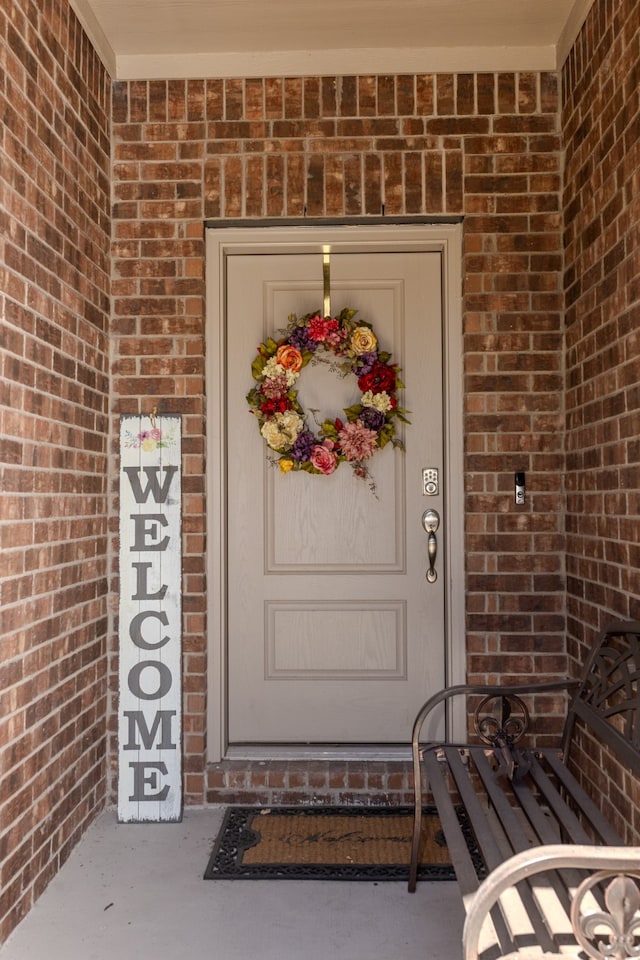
[
  {"x": 281, "y": 430},
  {"x": 363, "y": 340},
  {"x": 350, "y": 348}
]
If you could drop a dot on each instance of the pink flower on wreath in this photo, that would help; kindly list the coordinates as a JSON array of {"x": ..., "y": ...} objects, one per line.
[
  {"x": 324, "y": 459},
  {"x": 357, "y": 441},
  {"x": 320, "y": 328},
  {"x": 337, "y": 339},
  {"x": 275, "y": 386}
]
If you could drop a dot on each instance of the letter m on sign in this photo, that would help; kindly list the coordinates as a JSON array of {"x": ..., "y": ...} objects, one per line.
[{"x": 150, "y": 621}]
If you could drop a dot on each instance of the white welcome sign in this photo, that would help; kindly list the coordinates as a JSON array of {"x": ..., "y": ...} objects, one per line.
[{"x": 150, "y": 621}]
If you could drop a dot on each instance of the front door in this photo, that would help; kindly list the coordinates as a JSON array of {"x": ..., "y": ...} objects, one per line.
[{"x": 334, "y": 633}]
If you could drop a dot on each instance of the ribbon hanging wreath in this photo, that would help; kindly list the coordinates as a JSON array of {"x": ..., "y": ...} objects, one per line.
[{"x": 349, "y": 347}]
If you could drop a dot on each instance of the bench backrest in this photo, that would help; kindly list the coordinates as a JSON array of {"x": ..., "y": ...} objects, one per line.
[{"x": 608, "y": 698}]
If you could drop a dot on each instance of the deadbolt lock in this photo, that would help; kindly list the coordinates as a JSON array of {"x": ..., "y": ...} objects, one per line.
[{"x": 430, "y": 482}]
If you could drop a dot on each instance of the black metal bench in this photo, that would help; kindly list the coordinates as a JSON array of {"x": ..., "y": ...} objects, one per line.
[{"x": 541, "y": 869}]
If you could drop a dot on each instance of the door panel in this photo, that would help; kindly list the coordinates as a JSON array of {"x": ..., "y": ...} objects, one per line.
[{"x": 334, "y": 634}]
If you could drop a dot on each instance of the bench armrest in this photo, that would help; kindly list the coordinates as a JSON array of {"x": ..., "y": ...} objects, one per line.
[
  {"x": 621, "y": 865},
  {"x": 464, "y": 689}
]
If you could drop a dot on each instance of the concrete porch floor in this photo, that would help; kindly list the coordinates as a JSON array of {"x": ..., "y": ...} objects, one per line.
[{"x": 135, "y": 892}]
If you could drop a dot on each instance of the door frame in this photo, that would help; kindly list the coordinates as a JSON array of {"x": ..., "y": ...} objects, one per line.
[{"x": 397, "y": 236}]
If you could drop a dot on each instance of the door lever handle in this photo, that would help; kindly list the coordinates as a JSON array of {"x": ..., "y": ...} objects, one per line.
[{"x": 431, "y": 522}]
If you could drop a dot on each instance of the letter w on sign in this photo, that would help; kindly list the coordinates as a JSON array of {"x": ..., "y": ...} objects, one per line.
[{"x": 150, "y": 621}]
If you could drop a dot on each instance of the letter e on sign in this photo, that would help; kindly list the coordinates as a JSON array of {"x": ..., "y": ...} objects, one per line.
[{"x": 150, "y": 621}]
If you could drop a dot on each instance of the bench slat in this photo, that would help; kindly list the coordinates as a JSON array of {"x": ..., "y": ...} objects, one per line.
[
  {"x": 498, "y": 843},
  {"x": 468, "y": 879},
  {"x": 608, "y": 834},
  {"x": 513, "y": 826},
  {"x": 456, "y": 842},
  {"x": 492, "y": 853},
  {"x": 519, "y": 840},
  {"x": 547, "y": 829},
  {"x": 567, "y": 821}
]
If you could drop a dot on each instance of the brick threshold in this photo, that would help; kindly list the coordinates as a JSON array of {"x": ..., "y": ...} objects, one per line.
[{"x": 299, "y": 782}]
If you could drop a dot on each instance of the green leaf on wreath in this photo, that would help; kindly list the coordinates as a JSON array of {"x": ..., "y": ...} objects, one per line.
[
  {"x": 258, "y": 366},
  {"x": 353, "y": 412},
  {"x": 386, "y": 434},
  {"x": 328, "y": 428}
]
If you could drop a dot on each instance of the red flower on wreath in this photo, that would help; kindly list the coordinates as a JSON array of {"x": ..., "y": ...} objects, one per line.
[
  {"x": 279, "y": 405},
  {"x": 380, "y": 379}
]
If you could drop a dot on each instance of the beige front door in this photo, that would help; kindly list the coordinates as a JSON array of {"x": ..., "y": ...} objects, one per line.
[{"x": 333, "y": 633}]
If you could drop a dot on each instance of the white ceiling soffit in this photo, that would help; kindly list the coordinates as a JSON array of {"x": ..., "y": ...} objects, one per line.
[{"x": 172, "y": 39}]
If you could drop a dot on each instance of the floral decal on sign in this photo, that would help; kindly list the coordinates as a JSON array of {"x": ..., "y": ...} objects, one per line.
[
  {"x": 149, "y": 440},
  {"x": 350, "y": 347}
]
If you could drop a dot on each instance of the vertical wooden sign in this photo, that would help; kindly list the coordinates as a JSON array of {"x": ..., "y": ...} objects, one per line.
[{"x": 150, "y": 622}]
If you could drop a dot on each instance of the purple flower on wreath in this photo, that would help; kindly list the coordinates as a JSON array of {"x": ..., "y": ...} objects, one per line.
[
  {"x": 301, "y": 450},
  {"x": 299, "y": 337},
  {"x": 372, "y": 418},
  {"x": 364, "y": 363}
]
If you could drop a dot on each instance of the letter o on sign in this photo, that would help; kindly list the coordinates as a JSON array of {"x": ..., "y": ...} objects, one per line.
[{"x": 164, "y": 680}]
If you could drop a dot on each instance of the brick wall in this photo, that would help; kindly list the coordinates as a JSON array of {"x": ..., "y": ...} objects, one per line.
[
  {"x": 601, "y": 119},
  {"x": 601, "y": 115},
  {"x": 54, "y": 282},
  {"x": 486, "y": 146}
]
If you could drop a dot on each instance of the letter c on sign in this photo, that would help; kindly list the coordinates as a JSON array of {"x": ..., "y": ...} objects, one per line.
[
  {"x": 135, "y": 628},
  {"x": 164, "y": 680}
]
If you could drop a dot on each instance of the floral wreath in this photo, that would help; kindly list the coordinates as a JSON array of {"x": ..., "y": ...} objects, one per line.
[{"x": 370, "y": 424}]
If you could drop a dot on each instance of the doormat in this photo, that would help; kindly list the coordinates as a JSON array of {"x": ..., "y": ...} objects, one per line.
[{"x": 326, "y": 843}]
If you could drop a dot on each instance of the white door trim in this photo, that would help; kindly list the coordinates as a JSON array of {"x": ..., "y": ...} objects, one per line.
[{"x": 220, "y": 243}]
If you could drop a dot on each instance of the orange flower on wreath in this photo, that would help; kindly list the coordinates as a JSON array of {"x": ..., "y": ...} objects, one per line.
[{"x": 289, "y": 357}]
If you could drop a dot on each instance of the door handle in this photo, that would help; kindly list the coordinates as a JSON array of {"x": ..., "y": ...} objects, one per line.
[{"x": 431, "y": 522}]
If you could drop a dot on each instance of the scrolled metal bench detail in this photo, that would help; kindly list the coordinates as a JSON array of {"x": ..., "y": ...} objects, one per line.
[
  {"x": 502, "y": 721},
  {"x": 507, "y": 721},
  {"x": 614, "y": 932}
]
